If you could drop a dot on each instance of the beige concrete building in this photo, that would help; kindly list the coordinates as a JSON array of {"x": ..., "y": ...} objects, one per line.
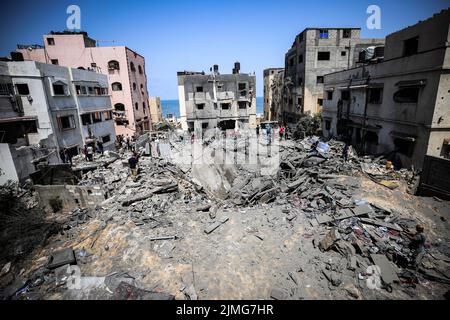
[
  {"x": 215, "y": 100},
  {"x": 315, "y": 53},
  {"x": 270, "y": 76},
  {"x": 155, "y": 109},
  {"x": 400, "y": 105}
]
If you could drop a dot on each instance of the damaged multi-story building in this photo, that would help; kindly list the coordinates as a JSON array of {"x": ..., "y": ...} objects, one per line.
[
  {"x": 400, "y": 104},
  {"x": 155, "y": 109},
  {"x": 315, "y": 53},
  {"x": 46, "y": 109},
  {"x": 272, "y": 78},
  {"x": 218, "y": 100},
  {"x": 124, "y": 68}
]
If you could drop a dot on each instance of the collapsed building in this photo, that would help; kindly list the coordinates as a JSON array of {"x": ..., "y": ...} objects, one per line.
[
  {"x": 272, "y": 77},
  {"x": 400, "y": 104},
  {"x": 46, "y": 109},
  {"x": 217, "y": 100},
  {"x": 155, "y": 109},
  {"x": 125, "y": 68},
  {"x": 315, "y": 53}
]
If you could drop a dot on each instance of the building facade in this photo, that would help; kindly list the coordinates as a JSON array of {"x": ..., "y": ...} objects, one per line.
[
  {"x": 270, "y": 75},
  {"x": 155, "y": 109},
  {"x": 47, "y": 108},
  {"x": 400, "y": 106},
  {"x": 315, "y": 53},
  {"x": 218, "y": 100},
  {"x": 125, "y": 69}
]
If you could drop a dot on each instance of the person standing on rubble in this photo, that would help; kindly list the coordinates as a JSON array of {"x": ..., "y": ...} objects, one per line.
[
  {"x": 128, "y": 143},
  {"x": 281, "y": 132},
  {"x": 133, "y": 161},
  {"x": 417, "y": 245},
  {"x": 90, "y": 153},
  {"x": 100, "y": 146},
  {"x": 269, "y": 133},
  {"x": 257, "y": 131},
  {"x": 345, "y": 152}
]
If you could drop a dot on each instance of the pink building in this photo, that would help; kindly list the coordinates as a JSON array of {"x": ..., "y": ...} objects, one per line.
[{"x": 124, "y": 67}]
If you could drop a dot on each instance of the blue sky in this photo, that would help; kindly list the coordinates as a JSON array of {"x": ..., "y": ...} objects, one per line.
[{"x": 195, "y": 34}]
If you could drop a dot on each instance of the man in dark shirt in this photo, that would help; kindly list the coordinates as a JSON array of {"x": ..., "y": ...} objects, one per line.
[
  {"x": 133, "y": 161},
  {"x": 417, "y": 245}
]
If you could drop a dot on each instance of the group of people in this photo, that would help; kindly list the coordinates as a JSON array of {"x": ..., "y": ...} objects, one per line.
[
  {"x": 126, "y": 143},
  {"x": 269, "y": 132},
  {"x": 90, "y": 149}
]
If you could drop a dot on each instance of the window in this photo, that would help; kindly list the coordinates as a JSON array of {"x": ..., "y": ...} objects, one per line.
[
  {"x": 96, "y": 117},
  {"x": 320, "y": 102},
  {"x": 22, "y": 89},
  {"x": 299, "y": 101},
  {"x": 119, "y": 107},
  {"x": 242, "y": 86},
  {"x": 86, "y": 119},
  {"x": 346, "y": 33},
  {"x": 327, "y": 124},
  {"x": 107, "y": 115},
  {"x": 319, "y": 79},
  {"x": 291, "y": 62},
  {"x": 116, "y": 86},
  {"x": 345, "y": 95},
  {"x": 242, "y": 104},
  {"x": 66, "y": 122},
  {"x": 204, "y": 125},
  {"x": 411, "y": 46},
  {"x": 143, "y": 106},
  {"x": 58, "y": 90},
  {"x": 6, "y": 89},
  {"x": 136, "y": 106},
  {"x": 93, "y": 65},
  {"x": 200, "y": 106},
  {"x": 323, "y": 55},
  {"x": 404, "y": 146},
  {"x": 407, "y": 95},
  {"x": 343, "y": 53},
  {"x": 134, "y": 86},
  {"x": 91, "y": 90},
  {"x": 140, "y": 69},
  {"x": 132, "y": 67},
  {"x": 375, "y": 95},
  {"x": 225, "y": 106},
  {"x": 199, "y": 89},
  {"x": 323, "y": 34},
  {"x": 329, "y": 95},
  {"x": 300, "y": 58},
  {"x": 113, "y": 65},
  {"x": 51, "y": 41},
  {"x": 55, "y": 61},
  {"x": 106, "y": 138}
]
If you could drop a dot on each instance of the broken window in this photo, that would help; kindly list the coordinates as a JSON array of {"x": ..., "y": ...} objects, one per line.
[
  {"x": 320, "y": 102},
  {"x": 323, "y": 34},
  {"x": 319, "y": 79},
  {"x": 22, "y": 89},
  {"x": 66, "y": 122},
  {"x": 134, "y": 86},
  {"x": 132, "y": 68},
  {"x": 93, "y": 65},
  {"x": 291, "y": 62},
  {"x": 140, "y": 69},
  {"x": 143, "y": 106},
  {"x": 225, "y": 106},
  {"x": 405, "y": 147},
  {"x": 329, "y": 95},
  {"x": 346, "y": 33},
  {"x": 58, "y": 90},
  {"x": 299, "y": 101},
  {"x": 200, "y": 106},
  {"x": 55, "y": 61},
  {"x": 407, "y": 95},
  {"x": 136, "y": 106},
  {"x": 199, "y": 89},
  {"x": 323, "y": 55},
  {"x": 96, "y": 117},
  {"x": 300, "y": 58},
  {"x": 371, "y": 137},
  {"x": 113, "y": 65},
  {"x": 106, "y": 138},
  {"x": 6, "y": 89},
  {"x": 86, "y": 119},
  {"x": 375, "y": 95},
  {"x": 116, "y": 86},
  {"x": 343, "y": 53},
  {"x": 107, "y": 115},
  {"x": 119, "y": 107},
  {"x": 345, "y": 95},
  {"x": 204, "y": 125},
  {"x": 410, "y": 46},
  {"x": 91, "y": 90},
  {"x": 242, "y": 104},
  {"x": 51, "y": 41},
  {"x": 242, "y": 86}
]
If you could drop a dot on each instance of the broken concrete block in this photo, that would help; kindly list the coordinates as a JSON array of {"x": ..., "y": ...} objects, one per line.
[
  {"x": 362, "y": 210},
  {"x": 387, "y": 269},
  {"x": 277, "y": 294},
  {"x": 351, "y": 289},
  {"x": 352, "y": 263},
  {"x": 60, "y": 258},
  {"x": 328, "y": 240}
]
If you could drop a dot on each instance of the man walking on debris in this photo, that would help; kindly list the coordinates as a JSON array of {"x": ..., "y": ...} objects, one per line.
[
  {"x": 133, "y": 161},
  {"x": 269, "y": 133},
  {"x": 417, "y": 245}
]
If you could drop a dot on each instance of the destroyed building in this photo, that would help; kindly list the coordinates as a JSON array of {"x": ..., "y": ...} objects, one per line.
[
  {"x": 398, "y": 105},
  {"x": 217, "y": 100},
  {"x": 315, "y": 53},
  {"x": 125, "y": 68},
  {"x": 154, "y": 104},
  {"x": 271, "y": 77},
  {"x": 46, "y": 109}
]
